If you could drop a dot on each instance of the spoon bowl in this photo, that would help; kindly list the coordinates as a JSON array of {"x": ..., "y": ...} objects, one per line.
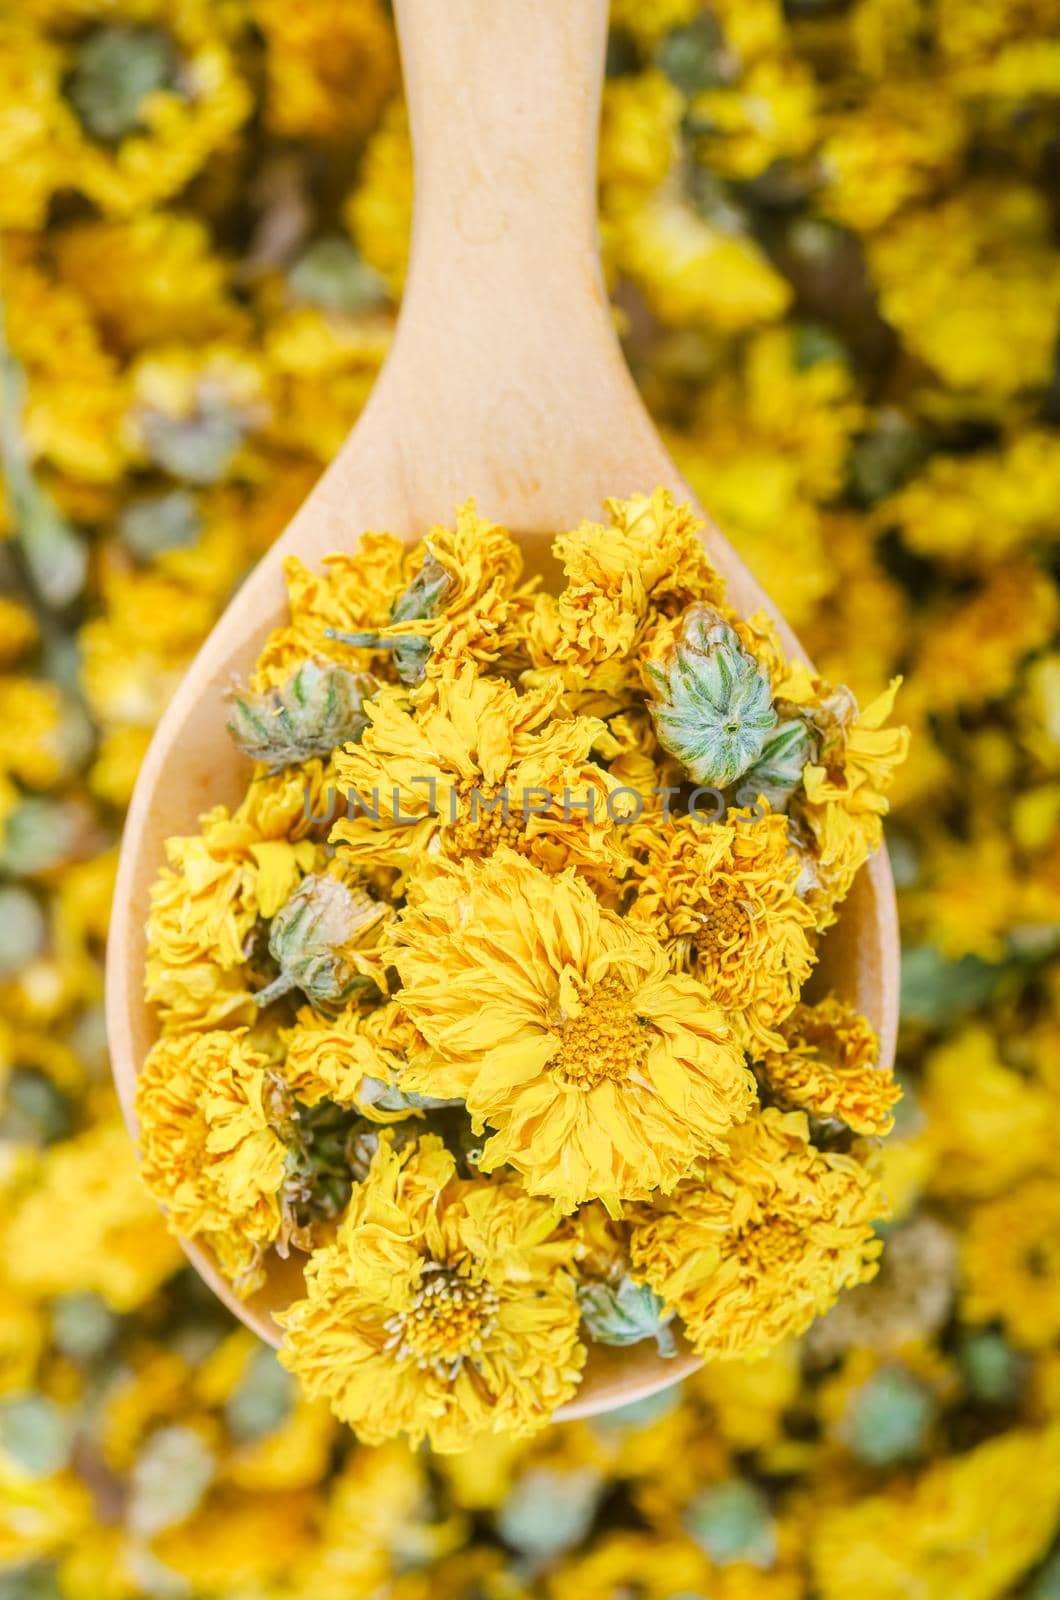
[{"x": 506, "y": 381}]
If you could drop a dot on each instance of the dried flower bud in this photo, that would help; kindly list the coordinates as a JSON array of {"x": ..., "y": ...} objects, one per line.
[
  {"x": 731, "y": 1522},
  {"x": 888, "y": 1418},
  {"x": 160, "y": 522},
  {"x": 549, "y": 1511},
  {"x": 23, "y": 928},
  {"x": 992, "y": 1369},
  {"x": 778, "y": 771},
  {"x": 169, "y": 1478},
  {"x": 263, "y": 1399},
  {"x": 331, "y": 275},
  {"x": 35, "y": 1433},
  {"x": 117, "y": 68},
  {"x": 318, "y": 708},
  {"x": 625, "y": 1313},
  {"x": 714, "y": 710},
  {"x": 419, "y": 602},
  {"x": 313, "y": 937}
]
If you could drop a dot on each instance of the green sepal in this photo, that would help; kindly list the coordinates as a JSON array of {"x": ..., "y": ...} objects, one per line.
[{"x": 713, "y": 710}]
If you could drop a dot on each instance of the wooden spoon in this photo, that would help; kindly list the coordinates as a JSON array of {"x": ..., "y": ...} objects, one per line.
[{"x": 506, "y": 381}]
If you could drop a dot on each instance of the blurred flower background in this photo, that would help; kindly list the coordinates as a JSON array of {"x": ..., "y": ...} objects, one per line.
[{"x": 830, "y": 230}]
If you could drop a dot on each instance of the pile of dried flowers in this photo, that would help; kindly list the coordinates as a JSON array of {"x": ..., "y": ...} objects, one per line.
[
  {"x": 831, "y": 238},
  {"x": 474, "y": 1003}
]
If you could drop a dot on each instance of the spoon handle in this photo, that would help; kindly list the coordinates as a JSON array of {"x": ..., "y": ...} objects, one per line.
[
  {"x": 504, "y": 105},
  {"x": 505, "y": 378}
]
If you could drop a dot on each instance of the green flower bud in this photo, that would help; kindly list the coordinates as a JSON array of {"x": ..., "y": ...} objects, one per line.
[
  {"x": 935, "y": 991},
  {"x": 330, "y": 274},
  {"x": 159, "y": 523},
  {"x": 169, "y": 1478},
  {"x": 56, "y": 556},
  {"x": 263, "y": 1399},
  {"x": 714, "y": 710},
  {"x": 42, "y": 833},
  {"x": 31, "y": 1583},
  {"x": 23, "y": 928},
  {"x": 36, "y": 1110},
  {"x": 625, "y": 1313},
  {"x": 198, "y": 447},
  {"x": 36, "y": 1434},
  {"x": 992, "y": 1369},
  {"x": 82, "y": 1325},
  {"x": 888, "y": 1418},
  {"x": 319, "y": 708},
  {"x": 117, "y": 68},
  {"x": 312, "y": 938},
  {"x": 778, "y": 771},
  {"x": 694, "y": 57},
  {"x": 419, "y": 602},
  {"x": 731, "y": 1522},
  {"x": 548, "y": 1511},
  {"x": 318, "y": 1179}
]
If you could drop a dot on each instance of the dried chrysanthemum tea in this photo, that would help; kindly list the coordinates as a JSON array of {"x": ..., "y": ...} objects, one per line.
[
  {"x": 713, "y": 707},
  {"x": 543, "y": 1080},
  {"x": 320, "y": 707}
]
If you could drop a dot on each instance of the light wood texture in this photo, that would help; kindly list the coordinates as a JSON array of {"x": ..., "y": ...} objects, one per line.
[{"x": 505, "y": 381}]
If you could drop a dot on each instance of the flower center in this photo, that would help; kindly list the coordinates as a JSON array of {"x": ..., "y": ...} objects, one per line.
[
  {"x": 605, "y": 1040},
  {"x": 722, "y": 927},
  {"x": 447, "y": 1323},
  {"x": 485, "y": 819},
  {"x": 773, "y": 1245}
]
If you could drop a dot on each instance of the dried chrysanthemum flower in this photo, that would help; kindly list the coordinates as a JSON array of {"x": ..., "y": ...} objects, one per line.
[
  {"x": 723, "y": 900},
  {"x": 752, "y": 1251},
  {"x": 208, "y": 1148},
  {"x": 319, "y": 708},
  {"x": 469, "y": 764},
  {"x": 442, "y": 1310},
  {"x": 713, "y": 706},
  {"x": 317, "y": 939},
  {"x": 828, "y": 1068},
  {"x": 600, "y": 1073}
]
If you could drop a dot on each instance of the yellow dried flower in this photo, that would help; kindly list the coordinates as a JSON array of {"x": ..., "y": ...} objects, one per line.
[
  {"x": 623, "y": 578},
  {"x": 330, "y": 67},
  {"x": 603, "y": 1073},
  {"x": 209, "y": 1151},
  {"x": 751, "y": 1252},
  {"x": 971, "y": 1525},
  {"x": 722, "y": 899},
  {"x": 828, "y": 1068},
  {"x": 110, "y": 1240},
  {"x": 1011, "y": 1263},
  {"x": 973, "y": 287},
  {"x": 441, "y": 1310},
  {"x": 467, "y": 764}
]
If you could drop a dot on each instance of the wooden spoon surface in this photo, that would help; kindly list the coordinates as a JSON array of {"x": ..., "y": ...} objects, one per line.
[{"x": 506, "y": 381}]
